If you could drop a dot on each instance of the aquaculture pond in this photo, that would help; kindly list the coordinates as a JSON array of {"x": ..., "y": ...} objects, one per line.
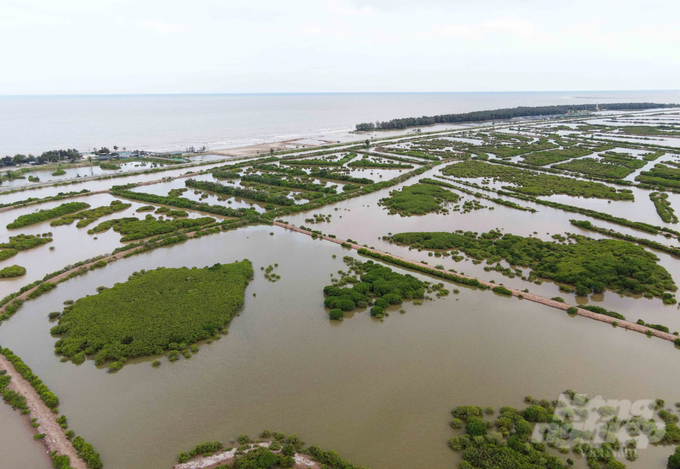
[
  {"x": 384, "y": 388},
  {"x": 379, "y": 390}
]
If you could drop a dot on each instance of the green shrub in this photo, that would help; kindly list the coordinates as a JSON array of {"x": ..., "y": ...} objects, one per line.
[
  {"x": 501, "y": 290},
  {"x": 12, "y": 271},
  {"x": 475, "y": 427},
  {"x": 336, "y": 314}
]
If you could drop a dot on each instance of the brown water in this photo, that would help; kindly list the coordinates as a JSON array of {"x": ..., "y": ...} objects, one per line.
[
  {"x": 19, "y": 450},
  {"x": 377, "y": 392}
]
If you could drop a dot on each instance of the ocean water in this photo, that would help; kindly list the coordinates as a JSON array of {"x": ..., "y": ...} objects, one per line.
[{"x": 33, "y": 124}]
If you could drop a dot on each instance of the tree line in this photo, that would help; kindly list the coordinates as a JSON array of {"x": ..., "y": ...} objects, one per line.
[{"x": 502, "y": 114}]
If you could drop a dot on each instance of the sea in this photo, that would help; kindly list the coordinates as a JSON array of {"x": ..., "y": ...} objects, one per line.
[{"x": 33, "y": 124}]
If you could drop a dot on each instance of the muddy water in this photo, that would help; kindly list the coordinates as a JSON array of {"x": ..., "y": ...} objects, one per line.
[
  {"x": 379, "y": 393},
  {"x": 18, "y": 447}
]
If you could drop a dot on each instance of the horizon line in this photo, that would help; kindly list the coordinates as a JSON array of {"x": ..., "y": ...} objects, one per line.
[{"x": 279, "y": 93}]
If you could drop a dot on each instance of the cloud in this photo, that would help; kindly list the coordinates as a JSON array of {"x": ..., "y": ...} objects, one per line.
[{"x": 162, "y": 28}]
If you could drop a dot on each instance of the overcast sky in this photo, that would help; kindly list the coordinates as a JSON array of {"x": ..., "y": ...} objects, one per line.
[{"x": 211, "y": 46}]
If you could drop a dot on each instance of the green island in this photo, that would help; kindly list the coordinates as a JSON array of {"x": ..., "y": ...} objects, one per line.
[
  {"x": 589, "y": 265},
  {"x": 663, "y": 207},
  {"x": 12, "y": 271},
  {"x": 44, "y": 215},
  {"x": 535, "y": 184},
  {"x": 22, "y": 242},
  {"x": 418, "y": 199},
  {"x": 522, "y": 438},
  {"x": 89, "y": 216},
  {"x": 182, "y": 306},
  {"x": 371, "y": 284}
]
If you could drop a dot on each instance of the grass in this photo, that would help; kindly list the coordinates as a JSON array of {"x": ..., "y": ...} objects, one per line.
[
  {"x": 44, "y": 215},
  {"x": 418, "y": 199},
  {"x": 181, "y": 306},
  {"x": 535, "y": 184}
]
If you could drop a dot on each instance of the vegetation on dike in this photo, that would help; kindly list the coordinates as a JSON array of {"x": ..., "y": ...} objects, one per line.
[
  {"x": 88, "y": 216},
  {"x": 371, "y": 284},
  {"x": 663, "y": 207},
  {"x": 272, "y": 450},
  {"x": 260, "y": 196},
  {"x": 181, "y": 306},
  {"x": 588, "y": 264},
  {"x": 181, "y": 202},
  {"x": 327, "y": 161},
  {"x": 479, "y": 195},
  {"x": 43, "y": 391},
  {"x": 59, "y": 196},
  {"x": 290, "y": 184},
  {"x": 133, "y": 228},
  {"x": 368, "y": 163},
  {"x": 534, "y": 184},
  {"x": 326, "y": 174},
  {"x": 418, "y": 199},
  {"x": 12, "y": 271},
  {"x": 44, "y": 215}
]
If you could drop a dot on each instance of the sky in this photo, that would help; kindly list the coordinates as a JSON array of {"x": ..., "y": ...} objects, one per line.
[{"x": 257, "y": 46}]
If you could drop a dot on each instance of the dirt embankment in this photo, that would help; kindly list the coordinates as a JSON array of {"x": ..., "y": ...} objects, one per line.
[
  {"x": 54, "y": 440},
  {"x": 527, "y": 296}
]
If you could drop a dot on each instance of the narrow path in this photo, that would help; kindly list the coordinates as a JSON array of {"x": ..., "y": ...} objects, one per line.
[
  {"x": 55, "y": 439},
  {"x": 527, "y": 296}
]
